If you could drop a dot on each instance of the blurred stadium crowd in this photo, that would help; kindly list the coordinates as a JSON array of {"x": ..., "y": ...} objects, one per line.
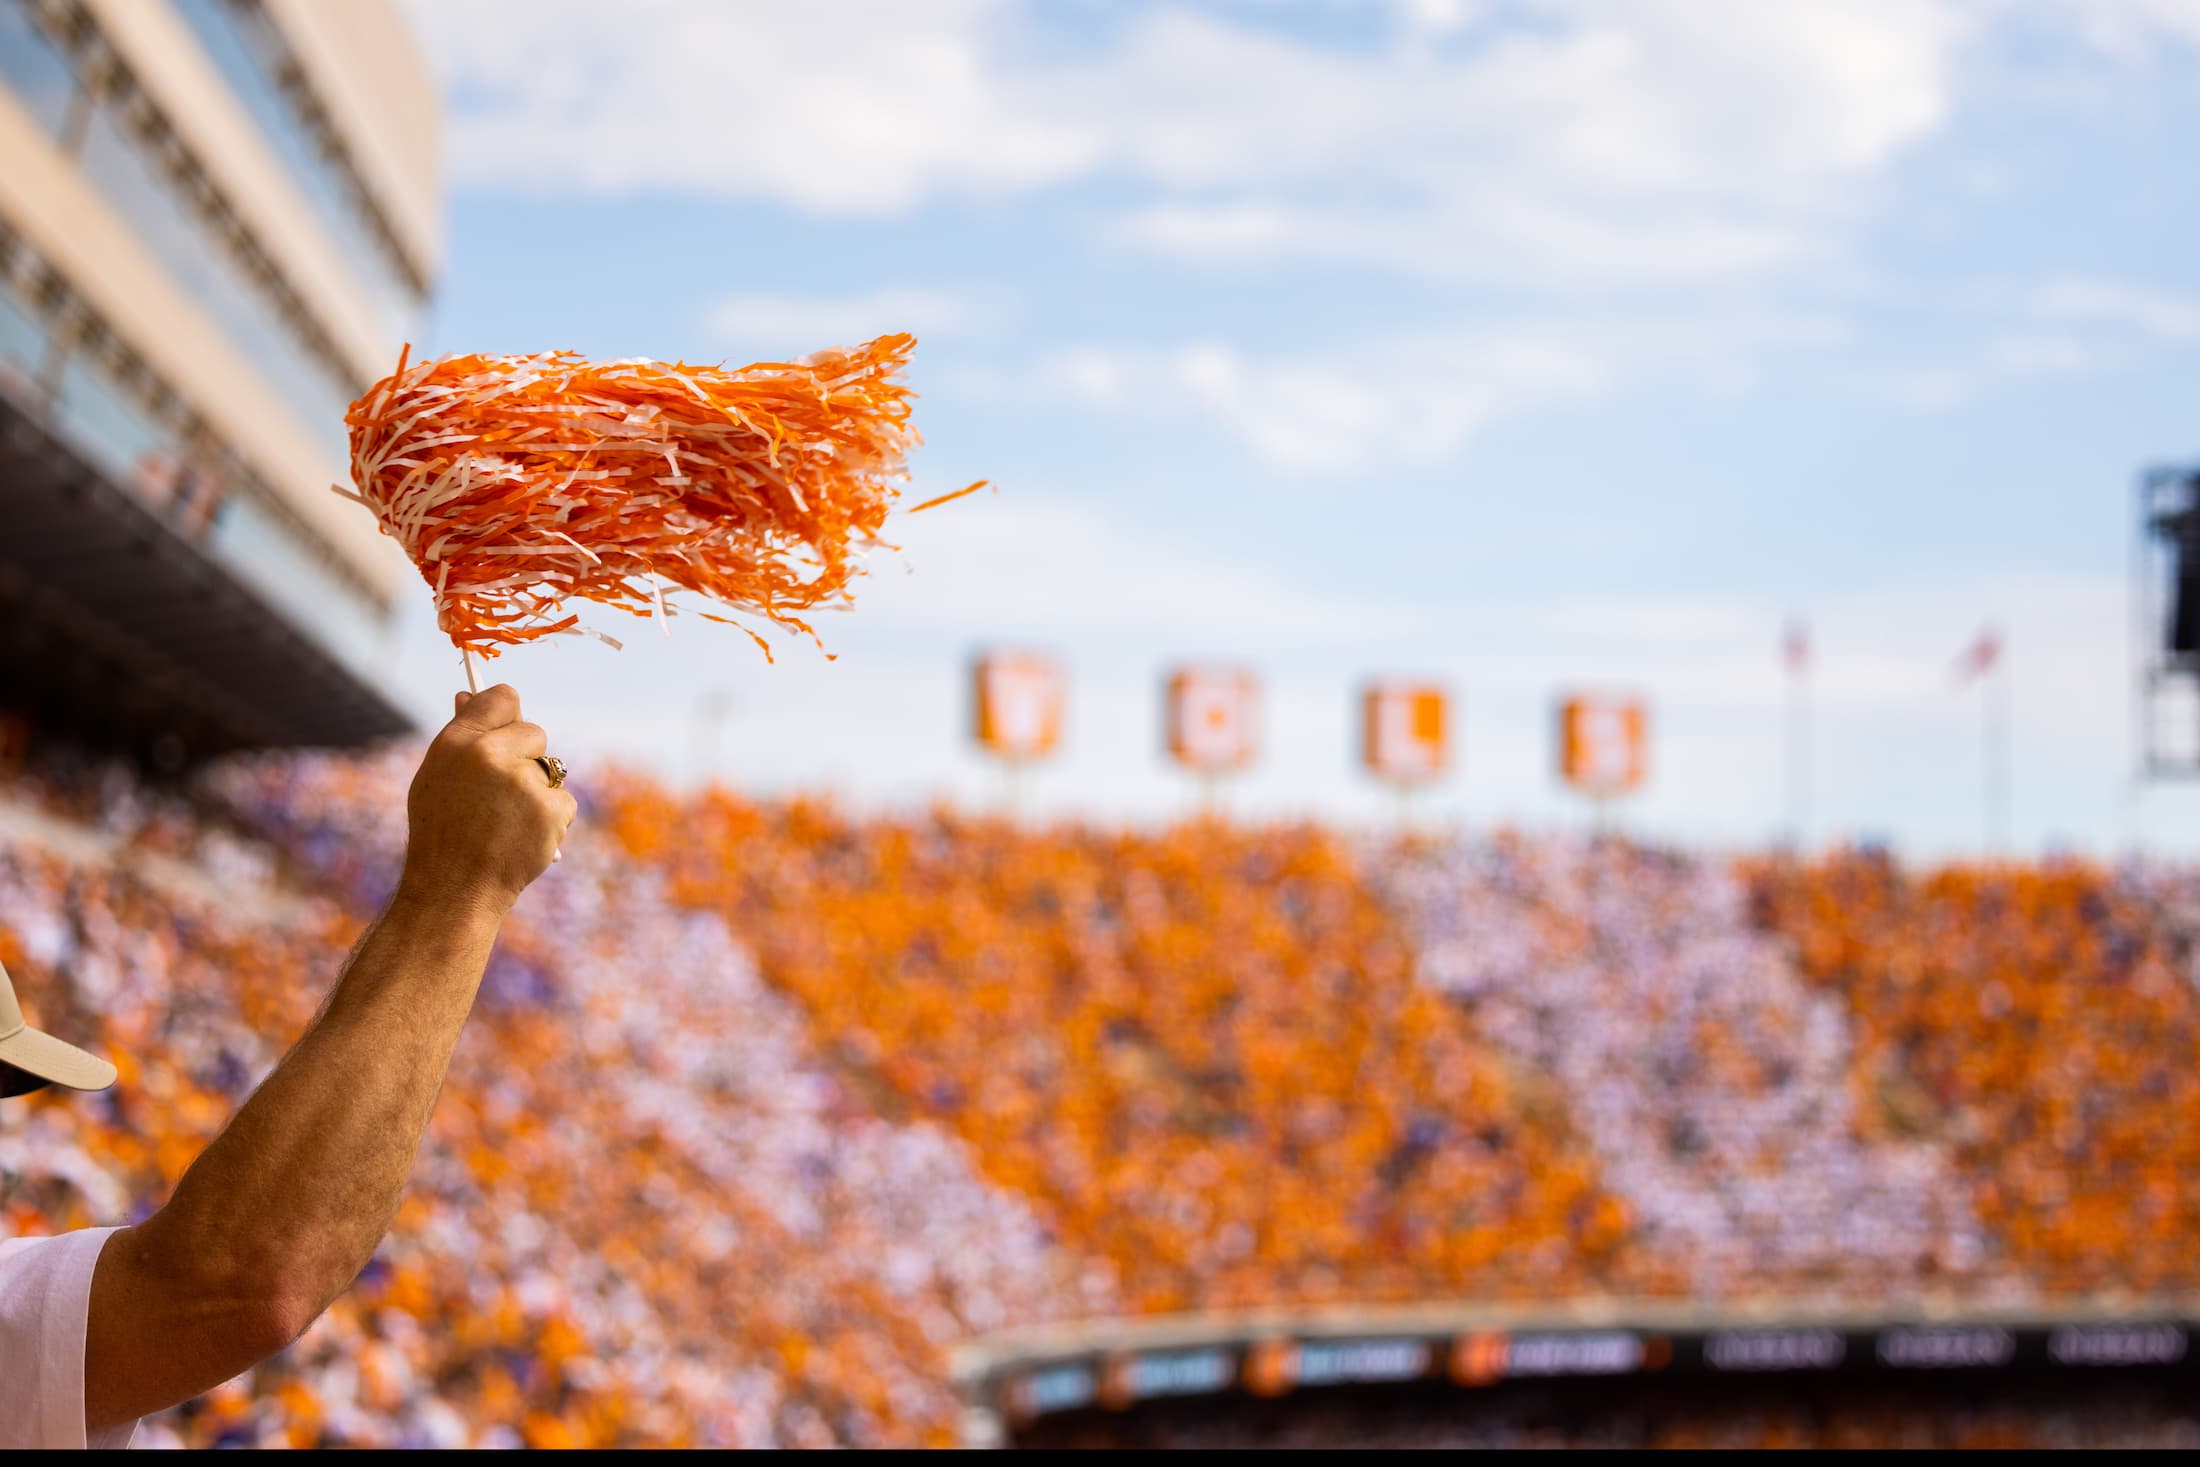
[{"x": 765, "y": 1105}]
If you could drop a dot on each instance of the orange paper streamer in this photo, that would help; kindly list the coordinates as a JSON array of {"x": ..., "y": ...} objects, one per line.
[{"x": 518, "y": 483}]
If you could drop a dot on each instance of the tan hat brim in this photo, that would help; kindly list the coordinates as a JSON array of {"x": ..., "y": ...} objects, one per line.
[{"x": 54, "y": 1062}]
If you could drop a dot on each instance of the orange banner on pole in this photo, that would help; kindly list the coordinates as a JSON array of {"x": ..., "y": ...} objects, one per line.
[
  {"x": 1020, "y": 699},
  {"x": 1604, "y": 742},
  {"x": 1213, "y": 718},
  {"x": 1405, "y": 731}
]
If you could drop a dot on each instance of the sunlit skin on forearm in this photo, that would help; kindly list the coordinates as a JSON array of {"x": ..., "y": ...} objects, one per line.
[{"x": 281, "y": 1213}]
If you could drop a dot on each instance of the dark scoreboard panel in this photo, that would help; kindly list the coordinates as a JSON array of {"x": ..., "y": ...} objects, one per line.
[{"x": 1280, "y": 1365}]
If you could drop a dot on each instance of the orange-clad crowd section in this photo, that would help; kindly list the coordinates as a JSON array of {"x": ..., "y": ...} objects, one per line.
[
  {"x": 1203, "y": 1050},
  {"x": 2041, "y": 1022}
]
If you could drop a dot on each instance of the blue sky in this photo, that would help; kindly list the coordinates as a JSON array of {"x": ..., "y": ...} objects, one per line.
[{"x": 1526, "y": 344}]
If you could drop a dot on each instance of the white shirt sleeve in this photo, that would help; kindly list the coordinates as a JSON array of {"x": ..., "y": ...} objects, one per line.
[{"x": 45, "y": 1301}]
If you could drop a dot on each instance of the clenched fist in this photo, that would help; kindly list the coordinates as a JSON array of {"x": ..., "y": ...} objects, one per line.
[{"x": 484, "y": 820}]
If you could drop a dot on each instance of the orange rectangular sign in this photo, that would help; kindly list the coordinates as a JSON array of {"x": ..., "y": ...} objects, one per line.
[
  {"x": 1213, "y": 718},
  {"x": 1405, "y": 731},
  {"x": 1603, "y": 742},
  {"x": 1020, "y": 700}
]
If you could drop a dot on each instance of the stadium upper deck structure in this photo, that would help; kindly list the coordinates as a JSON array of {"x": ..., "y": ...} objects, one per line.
[{"x": 218, "y": 222}]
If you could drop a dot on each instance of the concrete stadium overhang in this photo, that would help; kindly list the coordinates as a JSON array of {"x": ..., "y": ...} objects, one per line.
[{"x": 116, "y": 628}]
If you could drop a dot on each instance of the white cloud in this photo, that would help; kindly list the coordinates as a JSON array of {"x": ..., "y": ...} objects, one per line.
[
  {"x": 848, "y": 108},
  {"x": 1588, "y": 144},
  {"x": 2161, "y": 314},
  {"x": 807, "y": 323},
  {"x": 2127, "y": 30},
  {"x": 1411, "y": 404},
  {"x": 2045, "y": 354},
  {"x": 1411, "y": 401},
  {"x": 1436, "y": 17},
  {"x": 1559, "y": 139},
  {"x": 1061, "y": 567},
  {"x": 2068, "y": 327},
  {"x": 1931, "y": 388}
]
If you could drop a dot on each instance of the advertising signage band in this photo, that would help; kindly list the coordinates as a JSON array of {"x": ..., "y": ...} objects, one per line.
[{"x": 1276, "y": 1366}]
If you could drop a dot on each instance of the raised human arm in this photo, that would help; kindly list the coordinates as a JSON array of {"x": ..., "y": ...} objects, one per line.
[{"x": 279, "y": 1215}]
